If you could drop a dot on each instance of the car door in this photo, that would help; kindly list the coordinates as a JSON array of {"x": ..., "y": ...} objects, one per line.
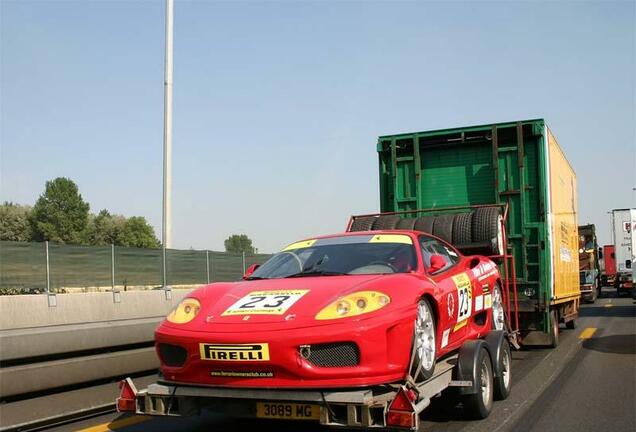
[{"x": 453, "y": 292}]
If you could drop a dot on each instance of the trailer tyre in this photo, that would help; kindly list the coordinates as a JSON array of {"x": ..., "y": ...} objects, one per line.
[
  {"x": 406, "y": 223},
  {"x": 424, "y": 224},
  {"x": 424, "y": 343},
  {"x": 486, "y": 227},
  {"x": 479, "y": 405},
  {"x": 386, "y": 222},
  {"x": 554, "y": 328},
  {"x": 503, "y": 383},
  {"x": 463, "y": 228},
  {"x": 443, "y": 227},
  {"x": 363, "y": 223}
]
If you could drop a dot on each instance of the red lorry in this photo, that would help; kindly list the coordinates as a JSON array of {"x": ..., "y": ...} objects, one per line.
[{"x": 608, "y": 275}]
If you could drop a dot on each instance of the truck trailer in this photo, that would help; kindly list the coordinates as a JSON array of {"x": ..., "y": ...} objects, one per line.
[
  {"x": 623, "y": 226},
  {"x": 518, "y": 165}
]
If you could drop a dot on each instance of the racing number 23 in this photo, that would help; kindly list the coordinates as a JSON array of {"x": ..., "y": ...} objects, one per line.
[
  {"x": 273, "y": 302},
  {"x": 465, "y": 296},
  {"x": 253, "y": 303}
]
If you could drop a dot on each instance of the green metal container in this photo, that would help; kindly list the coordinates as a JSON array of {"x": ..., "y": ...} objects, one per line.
[{"x": 519, "y": 164}]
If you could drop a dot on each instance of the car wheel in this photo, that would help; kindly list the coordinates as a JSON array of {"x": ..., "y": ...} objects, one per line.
[
  {"x": 503, "y": 382},
  {"x": 479, "y": 405},
  {"x": 424, "y": 224},
  {"x": 554, "y": 326},
  {"x": 362, "y": 223},
  {"x": 424, "y": 343},
  {"x": 443, "y": 227},
  {"x": 386, "y": 222},
  {"x": 463, "y": 228},
  {"x": 498, "y": 315}
]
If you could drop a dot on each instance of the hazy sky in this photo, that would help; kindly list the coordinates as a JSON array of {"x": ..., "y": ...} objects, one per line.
[{"x": 278, "y": 105}]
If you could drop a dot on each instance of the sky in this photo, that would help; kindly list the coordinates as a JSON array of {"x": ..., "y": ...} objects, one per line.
[{"x": 278, "y": 105}]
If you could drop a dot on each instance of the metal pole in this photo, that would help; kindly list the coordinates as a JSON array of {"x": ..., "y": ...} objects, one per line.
[
  {"x": 48, "y": 269},
  {"x": 207, "y": 264},
  {"x": 243, "y": 262},
  {"x": 167, "y": 132},
  {"x": 112, "y": 266}
]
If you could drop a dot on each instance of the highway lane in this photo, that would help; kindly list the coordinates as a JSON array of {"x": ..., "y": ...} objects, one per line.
[{"x": 587, "y": 383}]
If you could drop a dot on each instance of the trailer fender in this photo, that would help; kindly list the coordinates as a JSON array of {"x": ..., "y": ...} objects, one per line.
[
  {"x": 468, "y": 364},
  {"x": 494, "y": 341}
]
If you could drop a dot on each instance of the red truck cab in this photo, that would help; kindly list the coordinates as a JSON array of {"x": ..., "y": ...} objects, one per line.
[{"x": 609, "y": 260}]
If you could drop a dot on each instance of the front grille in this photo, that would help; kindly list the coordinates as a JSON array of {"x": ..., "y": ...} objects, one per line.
[
  {"x": 172, "y": 355},
  {"x": 337, "y": 354}
]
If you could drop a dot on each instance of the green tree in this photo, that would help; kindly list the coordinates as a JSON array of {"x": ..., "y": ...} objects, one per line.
[
  {"x": 137, "y": 232},
  {"x": 60, "y": 214},
  {"x": 14, "y": 222},
  {"x": 238, "y": 243},
  {"x": 105, "y": 228}
]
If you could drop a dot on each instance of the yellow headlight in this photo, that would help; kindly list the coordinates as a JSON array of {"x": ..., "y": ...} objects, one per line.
[
  {"x": 185, "y": 311},
  {"x": 354, "y": 304}
]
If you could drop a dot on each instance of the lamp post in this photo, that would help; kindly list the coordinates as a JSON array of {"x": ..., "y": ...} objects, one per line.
[{"x": 166, "y": 220}]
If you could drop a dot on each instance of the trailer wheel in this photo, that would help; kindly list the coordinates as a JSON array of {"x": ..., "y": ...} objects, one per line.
[
  {"x": 463, "y": 228},
  {"x": 443, "y": 227},
  {"x": 386, "y": 222},
  {"x": 424, "y": 343},
  {"x": 554, "y": 328},
  {"x": 503, "y": 383},
  {"x": 424, "y": 224},
  {"x": 362, "y": 223},
  {"x": 487, "y": 228},
  {"x": 479, "y": 405},
  {"x": 406, "y": 223}
]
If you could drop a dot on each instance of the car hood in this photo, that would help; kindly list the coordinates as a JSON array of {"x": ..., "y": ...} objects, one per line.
[{"x": 223, "y": 305}]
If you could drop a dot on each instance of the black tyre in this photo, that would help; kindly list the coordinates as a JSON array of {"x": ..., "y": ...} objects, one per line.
[
  {"x": 503, "y": 383},
  {"x": 443, "y": 227},
  {"x": 486, "y": 228},
  {"x": 386, "y": 222},
  {"x": 406, "y": 223},
  {"x": 571, "y": 325},
  {"x": 424, "y": 349},
  {"x": 478, "y": 405},
  {"x": 363, "y": 223},
  {"x": 554, "y": 328},
  {"x": 424, "y": 224},
  {"x": 463, "y": 228}
]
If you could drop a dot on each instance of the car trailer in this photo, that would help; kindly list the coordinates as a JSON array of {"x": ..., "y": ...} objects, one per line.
[{"x": 478, "y": 373}]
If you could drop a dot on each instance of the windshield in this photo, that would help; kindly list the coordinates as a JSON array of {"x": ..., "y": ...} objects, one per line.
[{"x": 346, "y": 255}]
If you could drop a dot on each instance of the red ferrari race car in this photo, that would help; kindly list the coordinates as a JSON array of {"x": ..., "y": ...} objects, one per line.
[{"x": 349, "y": 310}]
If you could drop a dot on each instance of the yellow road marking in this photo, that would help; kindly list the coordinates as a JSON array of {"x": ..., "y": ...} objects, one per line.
[
  {"x": 587, "y": 333},
  {"x": 117, "y": 424},
  {"x": 609, "y": 305}
]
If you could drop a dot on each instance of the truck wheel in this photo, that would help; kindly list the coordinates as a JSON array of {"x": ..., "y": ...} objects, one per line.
[
  {"x": 406, "y": 223},
  {"x": 554, "y": 328},
  {"x": 443, "y": 227},
  {"x": 463, "y": 228},
  {"x": 503, "y": 383},
  {"x": 424, "y": 224},
  {"x": 424, "y": 343},
  {"x": 479, "y": 405},
  {"x": 386, "y": 222},
  {"x": 571, "y": 325},
  {"x": 486, "y": 228},
  {"x": 363, "y": 223}
]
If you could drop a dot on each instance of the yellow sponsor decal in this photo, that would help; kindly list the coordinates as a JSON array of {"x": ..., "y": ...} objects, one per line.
[
  {"x": 465, "y": 296},
  {"x": 487, "y": 301},
  {"x": 391, "y": 238},
  {"x": 255, "y": 352},
  {"x": 273, "y": 302},
  {"x": 300, "y": 245},
  {"x": 460, "y": 325}
]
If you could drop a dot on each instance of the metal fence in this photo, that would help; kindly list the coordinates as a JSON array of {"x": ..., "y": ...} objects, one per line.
[{"x": 48, "y": 267}]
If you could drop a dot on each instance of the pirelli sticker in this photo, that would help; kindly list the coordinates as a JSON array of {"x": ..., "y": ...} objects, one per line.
[{"x": 256, "y": 352}]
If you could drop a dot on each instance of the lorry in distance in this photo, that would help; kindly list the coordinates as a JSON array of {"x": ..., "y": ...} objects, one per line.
[
  {"x": 608, "y": 272},
  {"x": 589, "y": 271},
  {"x": 624, "y": 237}
]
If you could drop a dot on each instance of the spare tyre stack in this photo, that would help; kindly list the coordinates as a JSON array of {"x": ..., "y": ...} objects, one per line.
[{"x": 476, "y": 232}]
